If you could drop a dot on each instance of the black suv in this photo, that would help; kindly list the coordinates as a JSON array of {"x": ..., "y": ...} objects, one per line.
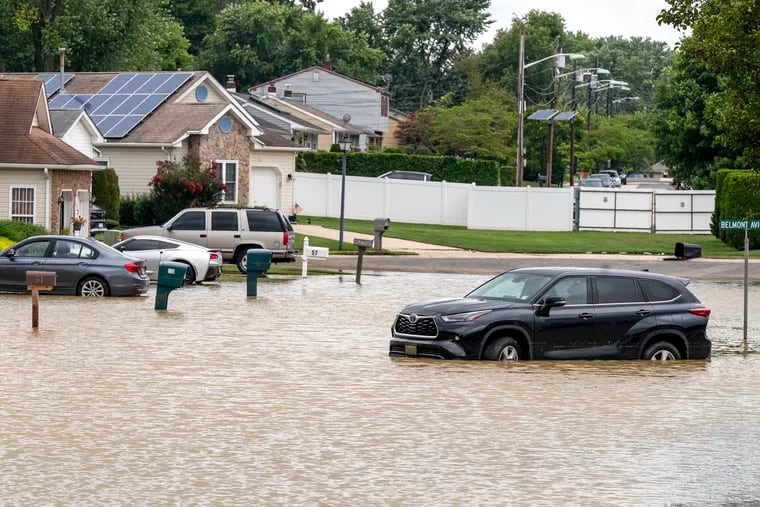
[{"x": 560, "y": 313}]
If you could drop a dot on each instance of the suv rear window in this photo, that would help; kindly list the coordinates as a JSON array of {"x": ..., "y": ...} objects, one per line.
[
  {"x": 655, "y": 290},
  {"x": 224, "y": 221},
  {"x": 268, "y": 221}
]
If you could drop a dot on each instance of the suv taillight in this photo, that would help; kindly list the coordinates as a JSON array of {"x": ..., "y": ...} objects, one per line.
[
  {"x": 700, "y": 312},
  {"x": 285, "y": 238}
]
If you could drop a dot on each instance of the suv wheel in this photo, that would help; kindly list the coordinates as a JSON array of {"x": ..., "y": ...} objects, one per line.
[
  {"x": 503, "y": 349},
  {"x": 661, "y": 351}
]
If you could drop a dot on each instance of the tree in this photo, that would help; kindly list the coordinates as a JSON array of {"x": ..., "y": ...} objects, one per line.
[
  {"x": 424, "y": 38},
  {"x": 243, "y": 44}
]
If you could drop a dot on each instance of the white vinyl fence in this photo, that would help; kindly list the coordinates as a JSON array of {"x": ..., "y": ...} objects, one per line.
[{"x": 505, "y": 208}]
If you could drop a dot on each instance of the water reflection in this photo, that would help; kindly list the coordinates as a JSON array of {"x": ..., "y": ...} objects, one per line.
[{"x": 290, "y": 398}]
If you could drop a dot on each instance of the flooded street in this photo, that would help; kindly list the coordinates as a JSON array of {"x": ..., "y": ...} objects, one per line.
[{"x": 291, "y": 399}]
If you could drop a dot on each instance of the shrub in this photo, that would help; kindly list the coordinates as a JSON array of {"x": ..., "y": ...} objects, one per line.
[
  {"x": 178, "y": 186},
  {"x": 105, "y": 192},
  {"x": 16, "y": 230}
]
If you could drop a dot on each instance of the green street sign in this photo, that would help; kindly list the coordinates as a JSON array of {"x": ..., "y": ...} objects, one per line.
[{"x": 740, "y": 225}]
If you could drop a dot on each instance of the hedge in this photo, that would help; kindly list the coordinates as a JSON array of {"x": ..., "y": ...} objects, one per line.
[
  {"x": 105, "y": 190},
  {"x": 737, "y": 197},
  {"x": 452, "y": 169}
]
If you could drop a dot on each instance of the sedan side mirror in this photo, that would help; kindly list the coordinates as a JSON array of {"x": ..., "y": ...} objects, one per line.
[{"x": 11, "y": 252}]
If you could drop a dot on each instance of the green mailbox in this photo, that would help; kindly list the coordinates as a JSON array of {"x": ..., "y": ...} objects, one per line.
[
  {"x": 258, "y": 261},
  {"x": 171, "y": 275}
]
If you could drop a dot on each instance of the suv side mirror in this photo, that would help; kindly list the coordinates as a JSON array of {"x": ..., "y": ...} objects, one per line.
[{"x": 549, "y": 303}]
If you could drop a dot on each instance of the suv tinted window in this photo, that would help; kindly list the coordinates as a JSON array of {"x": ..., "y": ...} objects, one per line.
[
  {"x": 573, "y": 289},
  {"x": 616, "y": 290},
  {"x": 224, "y": 221},
  {"x": 191, "y": 221},
  {"x": 264, "y": 221},
  {"x": 654, "y": 290}
]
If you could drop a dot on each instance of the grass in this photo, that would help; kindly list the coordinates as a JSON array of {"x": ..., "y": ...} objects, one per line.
[{"x": 532, "y": 242}]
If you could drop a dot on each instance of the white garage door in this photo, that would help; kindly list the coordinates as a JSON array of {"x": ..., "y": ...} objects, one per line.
[{"x": 265, "y": 187}]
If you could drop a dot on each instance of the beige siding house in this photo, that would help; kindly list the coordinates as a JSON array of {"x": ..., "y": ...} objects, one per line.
[{"x": 43, "y": 180}]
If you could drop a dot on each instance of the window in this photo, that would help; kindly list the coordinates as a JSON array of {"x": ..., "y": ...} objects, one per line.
[
  {"x": 658, "y": 291},
  {"x": 572, "y": 289},
  {"x": 226, "y": 172},
  {"x": 384, "y": 106},
  {"x": 190, "y": 221},
  {"x": 140, "y": 244},
  {"x": 65, "y": 249},
  {"x": 224, "y": 221},
  {"x": 33, "y": 249},
  {"x": 617, "y": 290},
  {"x": 264, "y": 221},
  {"x": 22, "y": 204}
]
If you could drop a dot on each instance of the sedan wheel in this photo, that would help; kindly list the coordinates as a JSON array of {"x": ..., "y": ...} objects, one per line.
[
  {"x": 92, "y": 287},
  {"x": 662, "y": 351},
  {"x": 503, "y": 349},
  {"x": 189, "y": 275}
]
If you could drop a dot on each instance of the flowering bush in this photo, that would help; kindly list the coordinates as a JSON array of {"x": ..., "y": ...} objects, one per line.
[
  {"x": 78, "y": 220},
  {"x": 177, "y": 186}
]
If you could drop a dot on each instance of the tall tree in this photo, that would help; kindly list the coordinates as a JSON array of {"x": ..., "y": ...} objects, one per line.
[
  {"x": 424, "y": 38},
  {"x": 242, "y": 44}
]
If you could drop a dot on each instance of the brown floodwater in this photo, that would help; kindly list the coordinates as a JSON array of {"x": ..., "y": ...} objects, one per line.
[{"x": 291, "y": 399}]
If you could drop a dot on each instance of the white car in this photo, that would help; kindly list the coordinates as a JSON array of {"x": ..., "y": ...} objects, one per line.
[
  {"x": 614, "y": 176},
  {"x": 203, "y": 264}
]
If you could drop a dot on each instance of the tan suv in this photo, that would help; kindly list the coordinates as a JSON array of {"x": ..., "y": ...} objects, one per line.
[{"x": 233, "y": 231}]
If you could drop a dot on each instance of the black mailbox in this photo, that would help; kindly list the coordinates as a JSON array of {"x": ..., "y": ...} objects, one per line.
[
  {"x": 688, "y": 251},
  {"x": 380, "y": 225}
]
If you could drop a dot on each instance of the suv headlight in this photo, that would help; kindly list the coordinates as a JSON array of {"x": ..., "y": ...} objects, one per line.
[{"x": 464, "y": 317}]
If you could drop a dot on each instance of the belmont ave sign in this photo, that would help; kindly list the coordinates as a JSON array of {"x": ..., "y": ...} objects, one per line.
[{"x": 740, "y": 225}]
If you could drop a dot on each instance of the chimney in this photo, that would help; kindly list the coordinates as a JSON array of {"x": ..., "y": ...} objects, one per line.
[
  {"x": 61, "y": 52},
  {"x": 328, "y": 62},
  {"x": 272, "y": 89},
  {"x": 288, "y": 92},
  {"x": 231, "y": 87}
]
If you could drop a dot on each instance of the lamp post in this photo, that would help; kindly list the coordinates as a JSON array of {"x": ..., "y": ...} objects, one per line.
[
  {"x": 559, "y": 63},
  {"x": 345, "y": 145}
]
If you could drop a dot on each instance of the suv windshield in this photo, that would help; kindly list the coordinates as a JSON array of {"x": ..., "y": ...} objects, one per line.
[{"x": 511, "y": 287}]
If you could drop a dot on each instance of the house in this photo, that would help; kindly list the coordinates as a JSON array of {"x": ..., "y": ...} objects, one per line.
[
  {"x": 394, "y": 121},
  {"x": 325, "y": 90},
  {"x": 147, "y": 117},
  {"x": 43, "y": 180}
]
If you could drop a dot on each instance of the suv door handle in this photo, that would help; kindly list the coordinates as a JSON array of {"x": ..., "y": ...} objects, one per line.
[
  {"x": 236, "y": 236},
  {"x": 203, "y": 235},
  {"x": 643, "y": 313},
  {"x": 585, "y": 316}
]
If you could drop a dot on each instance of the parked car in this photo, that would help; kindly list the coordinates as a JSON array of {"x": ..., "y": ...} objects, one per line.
[
  {"x": 614, "y": 176},
  {"x": 203, "y": 264},
  {"x": 233, "y": 231},
  {"x": 560, "y": 313},
  {"x": 407, "y": 175},
  {"x": 592, "y": 182},
  {"x": 83, "y": 266},
  {"x": 604, "y": 177}
]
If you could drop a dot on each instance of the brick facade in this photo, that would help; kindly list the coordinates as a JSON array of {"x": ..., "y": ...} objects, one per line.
[
  {"x": 234, "y": 145},
  {"x": 67, "y": 180}
]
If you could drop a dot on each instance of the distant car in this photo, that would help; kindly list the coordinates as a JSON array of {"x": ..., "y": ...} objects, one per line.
[
  {"x": 604, "y": 177},
  {"x": 407, "y": 175},
  {"x": 97, "y": 219},
  {"x": 636, "y": 176},
  {"x": 559, "y": 313},
  {"x": 203, "y": 264},
  {"x": 83, "y": 266},
  {"x": 592, "y": 182},
  {"x": 614, "y": 176}
]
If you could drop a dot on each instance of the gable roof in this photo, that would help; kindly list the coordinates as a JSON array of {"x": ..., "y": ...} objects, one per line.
[
  {"x": 328, "y": 119},
  {"x": 26, "y": 139},
  {"x": 313, "y": 68}
]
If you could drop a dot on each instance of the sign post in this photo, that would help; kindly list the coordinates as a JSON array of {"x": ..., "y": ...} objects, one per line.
[{"x": 747, "y": 225}]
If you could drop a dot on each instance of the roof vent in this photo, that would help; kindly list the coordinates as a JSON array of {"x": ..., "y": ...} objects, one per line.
[{"x": 231, "y": 87}]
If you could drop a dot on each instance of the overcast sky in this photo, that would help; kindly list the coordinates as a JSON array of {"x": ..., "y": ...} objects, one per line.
[{"x": 597, "y": 18}]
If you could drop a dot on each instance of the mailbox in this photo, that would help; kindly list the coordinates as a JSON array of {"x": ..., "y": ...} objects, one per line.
[
  {"x": 257, "y": 261},
  {"x": 171, "y": 275},
  {"x": 40, "y": 280},
  {"x": 363, "y": 243},
  {"x": 688, "y": 251},
  {"x": 380, "y": 225}
]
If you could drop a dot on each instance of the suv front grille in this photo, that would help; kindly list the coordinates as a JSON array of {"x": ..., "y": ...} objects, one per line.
[{"x": 415, "y": 325}]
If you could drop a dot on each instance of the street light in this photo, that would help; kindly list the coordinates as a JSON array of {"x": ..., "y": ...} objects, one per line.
[
  {"x": 559, "y": 63},
  {"x": 345, "y": 145}
]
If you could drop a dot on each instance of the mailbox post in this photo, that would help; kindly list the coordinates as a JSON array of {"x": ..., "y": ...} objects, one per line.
[
  {"x": 380, "y": 225},
  {"x": 171, "y": 275},
  {"x": 258, "y": 261},
  {"x": 37, "y": 281},
  {"x": 362, "y": 244},
  {"x": 311, "y": 252}
]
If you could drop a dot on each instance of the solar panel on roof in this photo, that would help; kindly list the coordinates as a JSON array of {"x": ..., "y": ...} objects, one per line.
[
  {"x": 565, "y": 116},
  {"x": 543, "y": 114},
  {"x": 53, "y": 81},
  {"x": 124, "y": 101}
]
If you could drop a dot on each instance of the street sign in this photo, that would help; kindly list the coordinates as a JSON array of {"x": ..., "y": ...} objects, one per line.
[{"x": 740, "y": 225}]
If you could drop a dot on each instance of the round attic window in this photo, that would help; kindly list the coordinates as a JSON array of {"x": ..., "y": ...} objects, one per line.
[
  {"x": 225, "y": 124},
  {"x": 201, "y": 93}
]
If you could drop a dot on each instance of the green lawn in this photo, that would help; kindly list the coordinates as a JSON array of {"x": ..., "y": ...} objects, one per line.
[{"x": 530, "y": 242}]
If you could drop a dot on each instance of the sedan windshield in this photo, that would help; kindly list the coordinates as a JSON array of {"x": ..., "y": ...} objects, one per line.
[{"x": 511, "y": 286}]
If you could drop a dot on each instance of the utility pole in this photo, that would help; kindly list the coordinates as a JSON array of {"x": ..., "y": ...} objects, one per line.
[
  {"x": 520, "y": 114},
  {"x": 572, "y": 125},
  {"x": 550, "y": 141}
]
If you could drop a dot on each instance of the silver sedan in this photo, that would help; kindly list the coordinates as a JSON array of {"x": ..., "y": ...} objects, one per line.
[{"x": 203, "y": 264}]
